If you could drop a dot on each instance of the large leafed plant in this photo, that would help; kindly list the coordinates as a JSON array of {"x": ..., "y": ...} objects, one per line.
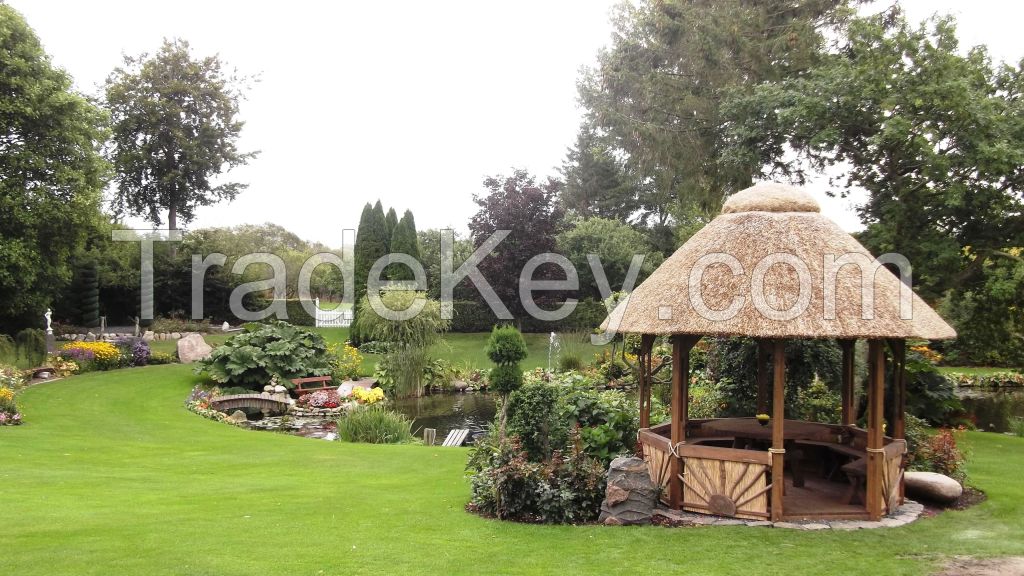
[{"x": 262, "y": 351}]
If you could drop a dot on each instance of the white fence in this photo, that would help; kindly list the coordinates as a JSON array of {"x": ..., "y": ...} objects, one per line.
[{"x": 333, "y": 318}]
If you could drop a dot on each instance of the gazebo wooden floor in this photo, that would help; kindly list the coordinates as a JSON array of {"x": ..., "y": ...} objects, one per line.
[{"x": 819, "y": 498}]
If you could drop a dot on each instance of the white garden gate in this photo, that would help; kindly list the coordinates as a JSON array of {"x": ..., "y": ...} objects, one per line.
[{"x": 333, "y": 318}]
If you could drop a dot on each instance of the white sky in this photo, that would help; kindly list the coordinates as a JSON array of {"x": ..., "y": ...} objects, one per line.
[{"x": 410, "y": 102}]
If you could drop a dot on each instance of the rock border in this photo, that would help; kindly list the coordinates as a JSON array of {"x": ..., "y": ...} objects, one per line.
[{"x": 905, "y": 514}]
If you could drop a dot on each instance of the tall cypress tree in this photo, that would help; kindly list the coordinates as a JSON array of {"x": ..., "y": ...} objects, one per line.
[
  {"x": 404, "y": 241},
  {"x": 392, "y": 222},
  {"x": 371, "y": 243}
]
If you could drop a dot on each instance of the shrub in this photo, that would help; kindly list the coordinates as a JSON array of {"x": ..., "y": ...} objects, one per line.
[
  {"x": 11, "y": 378},
  {"x": 533, "y": 417},
  {"x": 608, "y": 421},
  {"x": 707, "y": 399},
  {"x": 31, "y": 346},
  {"x": 374, "y": 425},
  {"x": 175, "y": 324},
  {"x": 505, "y": 345},
  {"x": 818, "y": 403},
  {"x": 569, "y": 362},
  {"x": 506, "y": 378},
  {"x": 408, "y": 339},
  {"x": 374, "y": 347},
  {"x": 733, "y": 363},
  {"x": 161, "y": 358},
  {"x": 930, "y": 395},
  {"x": 263, "y": 351},
  {"x": 940, "y": 453},
  {"x": 509, "y": 486},
  {"x": 1017, "y": 427},
  {"x": 140, "y": 353}
]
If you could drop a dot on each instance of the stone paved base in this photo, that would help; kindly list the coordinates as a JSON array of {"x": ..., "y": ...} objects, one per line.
[{"x": 905, "y": 514}]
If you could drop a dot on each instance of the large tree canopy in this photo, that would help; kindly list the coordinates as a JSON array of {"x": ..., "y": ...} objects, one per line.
[
  {"x": 175, "y": 131},
  {"x": 657, "y": 89},
  {"x": 934, "y": 135},
  {"x": 51, "y": 173}
]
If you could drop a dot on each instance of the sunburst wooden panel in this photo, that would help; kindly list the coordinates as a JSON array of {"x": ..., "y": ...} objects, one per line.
[
  {"x": 725, "y": 488},
  {"x": 892, "y": 474}
]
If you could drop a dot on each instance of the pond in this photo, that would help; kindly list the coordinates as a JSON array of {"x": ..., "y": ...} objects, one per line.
[
  {"x": 993, "y": 409},
  {"x": 448, "y": 411}
]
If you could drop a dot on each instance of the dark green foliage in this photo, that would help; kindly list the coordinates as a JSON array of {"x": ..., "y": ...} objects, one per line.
[
  {"x": 608, "y": 422},
  {"x": 51, "y": 174},
  {"x": 375, "y": 425},
  {"x": 88, "y": 295},
  {"x": 472, "y": 316},
  {"x": 568, "y": 361},
  {"x": 596, "y": 184},
  {"x": 733, "y": 362},
  {"x": 656, "y": 92},
  {"x": 932, "y": 132},
  {"x": 263, "y": 351},
  {"x": 505, "y": 378},
  {"x": 372, "y": 242},
  {"x": 31, "y": 346},
  {"x": 176, "y": 129},
  {"x": 506, "y": 345},
  {"x": 391, "y": 222},
  {"x": 818, "y": 403},
  {"x": 930, "y": 395},
  {"x": 8, "y": 351},
  {"x": 560, "y": 490},
  {"x": 615, "y": 243},
  {"x": 404, "y": 241},
  {"x": 533, "y": 417}
]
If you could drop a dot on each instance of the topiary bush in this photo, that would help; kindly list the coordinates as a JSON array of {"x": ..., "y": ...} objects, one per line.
[
  {"x": 534, "y": 418},
  {"x": 506, "y": 348},
  {"x": 262, "y": 351}
]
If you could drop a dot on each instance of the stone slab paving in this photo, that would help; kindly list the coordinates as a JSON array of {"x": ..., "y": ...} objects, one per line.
[{"x": 905, "y": 514}]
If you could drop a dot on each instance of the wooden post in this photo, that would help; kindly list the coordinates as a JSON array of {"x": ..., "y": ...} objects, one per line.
[
  {"x": 899, "y": 388},
  {"x": 762, "y": 377},
  {"x": 644, "y": 383},
  {"x": 681, "y": 345},
  {"x": 778, "y": 450},
  {"x": 876, "y": 410},
  {"x": 849, "y": 411}
]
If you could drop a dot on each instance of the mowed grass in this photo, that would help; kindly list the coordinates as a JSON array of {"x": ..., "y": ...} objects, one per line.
[
  {"x": 974, "y": 370},
  {"x": 460, "y": 349},
  {"x": 111, "y": 475}
]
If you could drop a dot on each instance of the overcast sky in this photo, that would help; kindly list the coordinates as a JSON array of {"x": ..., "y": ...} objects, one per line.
[{"x": 413, "y": 103}]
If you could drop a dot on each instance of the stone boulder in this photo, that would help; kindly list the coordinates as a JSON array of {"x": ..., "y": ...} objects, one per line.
[
  {"x": 631, "y": 495},
  {"x": 932, "y": 486},
  {"x": 148, "y": 336},
  {"x": 192, "y": 348},
  {"x": 237, "y": 417}
]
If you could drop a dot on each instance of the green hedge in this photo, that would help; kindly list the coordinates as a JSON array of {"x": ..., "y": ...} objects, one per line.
[
  {"x": 297, "y": 315},
  {"x": 471, "y": 316}
]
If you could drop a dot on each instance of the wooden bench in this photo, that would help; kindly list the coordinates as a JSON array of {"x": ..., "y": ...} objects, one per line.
[
  {"x": 301, "y": 388},
  {"x": 857, "y": 472},
  {"x": 456, "y": 438}
]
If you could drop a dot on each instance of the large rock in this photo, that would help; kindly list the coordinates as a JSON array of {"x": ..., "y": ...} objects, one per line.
[
  {"x": 192, "y": 348},
  {"x": 631, "y": 495},
  {"x": 148, "y": 336},
  {"x": 932, "y": 486},
  {"x": 237, "y": 417}
]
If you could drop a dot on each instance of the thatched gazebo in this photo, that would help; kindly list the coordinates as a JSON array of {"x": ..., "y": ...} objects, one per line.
[{"x": 771, "y": 267}]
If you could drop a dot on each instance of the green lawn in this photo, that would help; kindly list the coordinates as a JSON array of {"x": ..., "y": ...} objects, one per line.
[
  {"x": 459, "y": 348},
  {"x": 111, "y": 475},
  {"x": 973, "y": 370}
]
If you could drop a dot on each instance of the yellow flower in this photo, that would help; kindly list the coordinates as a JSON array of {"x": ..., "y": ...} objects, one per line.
[
  {"x": 371, "y": 396},
  {"x": 6, "y": 395},
  {"x": 101, "y": 350}
]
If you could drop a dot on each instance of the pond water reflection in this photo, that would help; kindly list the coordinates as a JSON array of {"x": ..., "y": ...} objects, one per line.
[
  {"x": 994, "y": 409},
  {"x": 447, "y": 411}
]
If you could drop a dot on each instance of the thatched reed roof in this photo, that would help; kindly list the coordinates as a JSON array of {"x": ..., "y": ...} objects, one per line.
[{"x": 784, "y": 221}]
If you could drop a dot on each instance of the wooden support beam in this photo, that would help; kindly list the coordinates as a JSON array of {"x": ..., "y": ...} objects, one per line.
[
  {"x": 876, "y": 411},
  {"x": 763, "y": 351},
  {"x": 899, "y": 388},
  {"x": 849, "y": 410},
  {"x": 644, "y": 380},
  {"x": 681, "y": 346},
  {"x": 778, "y": 450}
]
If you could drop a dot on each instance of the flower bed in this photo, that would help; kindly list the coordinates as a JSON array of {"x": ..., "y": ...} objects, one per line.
[{"x": 10, "y": 380}]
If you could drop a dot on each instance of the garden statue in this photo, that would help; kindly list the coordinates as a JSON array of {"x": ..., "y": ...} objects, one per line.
[
  {"x": 137, "y": 320},
  {"x": 317, "y": 302},
  {"x": 49, "y": 317},
  {"x": 225, "y": 326}
]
